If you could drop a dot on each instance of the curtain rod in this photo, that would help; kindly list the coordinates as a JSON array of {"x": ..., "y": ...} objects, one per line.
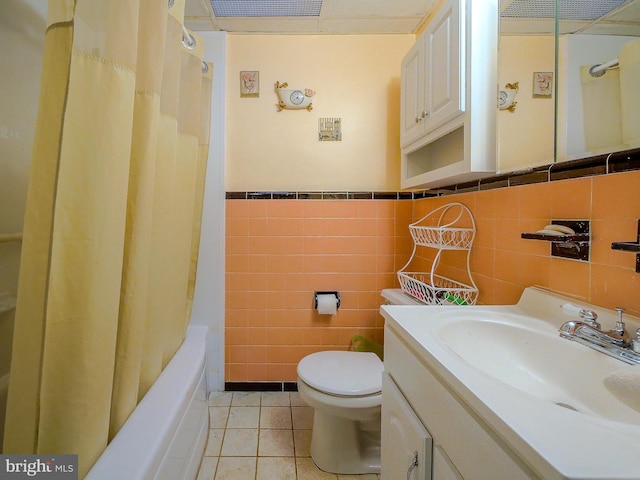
[
  {"x": 601, "y": 69},
  {"x": 189, "y": 41}
]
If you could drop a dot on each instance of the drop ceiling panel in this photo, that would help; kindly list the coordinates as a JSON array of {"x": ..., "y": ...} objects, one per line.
[
  {"x": 268, "y": 25},
  {"x": 266, "y": 8},
  {"x": 395, "y": 16},
  {"x": 335, "y": 17},
  {"x": 628, "y": 13},
  {"x": 376, "y": 8},
  {"x": 367, "y": 25}
]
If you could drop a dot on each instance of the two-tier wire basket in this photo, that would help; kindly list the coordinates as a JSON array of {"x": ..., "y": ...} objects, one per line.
[{"x": 448, "y": 228}]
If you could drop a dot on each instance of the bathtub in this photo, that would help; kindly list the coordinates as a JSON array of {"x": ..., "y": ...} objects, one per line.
[{"x": 165, "y": 436}]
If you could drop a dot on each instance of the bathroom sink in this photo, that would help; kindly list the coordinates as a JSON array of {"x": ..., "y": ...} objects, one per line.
[
  {"x": 565, "y": 408},
  {"x": 528, "y": 355}
]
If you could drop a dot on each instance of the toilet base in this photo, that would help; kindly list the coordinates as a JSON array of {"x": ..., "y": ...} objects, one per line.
[{"x": 344, "y": 446}]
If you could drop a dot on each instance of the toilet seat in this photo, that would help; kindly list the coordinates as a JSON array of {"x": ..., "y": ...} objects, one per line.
[{"x": 342, "y": 373}]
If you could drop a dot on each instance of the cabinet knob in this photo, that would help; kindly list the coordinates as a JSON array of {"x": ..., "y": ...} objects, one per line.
[
  {"x": 418, "y": 119},
  {"x": 424, "y": 114}
]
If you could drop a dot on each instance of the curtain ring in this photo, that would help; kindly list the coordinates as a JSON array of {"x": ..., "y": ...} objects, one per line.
[{"x": 188, "y": 40}]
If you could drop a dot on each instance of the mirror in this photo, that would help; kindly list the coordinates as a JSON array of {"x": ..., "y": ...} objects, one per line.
[
  {"x": 599, "y": 112},
  {"x": 584, "y": 115},
  {"x": 526, "y": 51}
]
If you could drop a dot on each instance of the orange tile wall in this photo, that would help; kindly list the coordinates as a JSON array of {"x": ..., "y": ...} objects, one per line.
[
  {"x": 503, "y": 263},
  {"x": 280, "y": 251}
]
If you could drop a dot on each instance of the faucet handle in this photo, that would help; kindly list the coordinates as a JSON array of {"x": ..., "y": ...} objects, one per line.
[
  {"x": 587, "y": 316},
  {"x": 620, "y": 322},
  {"x": 635, "y": 343},
  {"x": 620, "y": 327},
  {"x": 590, "y": 317}
]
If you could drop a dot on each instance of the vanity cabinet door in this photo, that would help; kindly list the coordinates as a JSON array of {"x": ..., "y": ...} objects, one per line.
[{"x": 406, "y": 444}]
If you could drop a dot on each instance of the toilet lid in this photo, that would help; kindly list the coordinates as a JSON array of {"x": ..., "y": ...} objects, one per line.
[{"x": 342, "y": 373}]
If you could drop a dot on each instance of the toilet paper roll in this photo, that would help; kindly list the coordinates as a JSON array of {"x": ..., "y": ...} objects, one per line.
[{"x": 327, "y": 304}]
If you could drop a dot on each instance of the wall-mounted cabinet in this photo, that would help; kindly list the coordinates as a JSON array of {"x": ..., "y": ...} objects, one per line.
[
  {"x": 431, "y": 76},
  {"x": 449, "y": 97}
]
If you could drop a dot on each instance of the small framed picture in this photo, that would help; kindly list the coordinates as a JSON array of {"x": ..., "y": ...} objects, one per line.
[
  {"x": 542, "y": 84},
  {"x": 249, "y": 84}
]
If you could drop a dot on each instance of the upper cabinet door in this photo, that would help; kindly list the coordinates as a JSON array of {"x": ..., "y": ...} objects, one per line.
[
  {"x": 443, "y": 66},
  {"x": 432, "y": 76},
  {"x": 412, "y": 94},
  {"x": 453, "y": 107}
]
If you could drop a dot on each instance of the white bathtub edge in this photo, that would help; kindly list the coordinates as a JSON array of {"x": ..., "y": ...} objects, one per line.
[{"x": 141, "y": 445}]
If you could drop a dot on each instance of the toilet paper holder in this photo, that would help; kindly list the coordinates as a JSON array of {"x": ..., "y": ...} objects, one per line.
[{"x": 330, "y": 292}]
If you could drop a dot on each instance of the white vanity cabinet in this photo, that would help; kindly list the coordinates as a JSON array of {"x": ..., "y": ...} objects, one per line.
[
  {"x": 464, "y": 447},
  {"x": 409, "y": 455},
  {"x": 431, "y": 91},
  {"x": 449, "y": 97}
]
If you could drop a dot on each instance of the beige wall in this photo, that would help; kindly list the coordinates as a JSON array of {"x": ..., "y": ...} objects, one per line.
[
  {"x": 356, "y": 78},
  {"x": 526, "y": 134}
]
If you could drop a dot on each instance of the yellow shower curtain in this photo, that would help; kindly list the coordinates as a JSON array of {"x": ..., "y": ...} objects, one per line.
[
  {"x": 629, "y": 92},
  {"x": 602, "y": 110},
  {"x": 611, "y": 103},
  {"x": 111, "y": 213}
]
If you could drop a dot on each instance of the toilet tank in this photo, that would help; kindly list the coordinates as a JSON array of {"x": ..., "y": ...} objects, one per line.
[{"x": 395, "y": 296}]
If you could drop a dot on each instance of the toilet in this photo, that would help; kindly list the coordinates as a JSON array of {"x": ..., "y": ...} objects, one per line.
[{"x": 345, "y": 390}]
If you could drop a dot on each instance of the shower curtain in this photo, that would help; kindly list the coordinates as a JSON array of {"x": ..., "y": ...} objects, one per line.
[
  {"x": 113, "y": 212},
  {"x": 611, "y": 103},
  {"x": 601, "y": 109},
  {"x": 630, "y": 92}
]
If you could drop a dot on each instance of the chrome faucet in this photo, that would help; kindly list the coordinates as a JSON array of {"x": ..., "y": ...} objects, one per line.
[
  {"x": 614, "y": 336},
  {"x": 615, "y": 342}
]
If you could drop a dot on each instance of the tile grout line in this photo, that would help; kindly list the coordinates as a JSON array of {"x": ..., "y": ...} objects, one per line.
[{"x": 293, "y": 437}]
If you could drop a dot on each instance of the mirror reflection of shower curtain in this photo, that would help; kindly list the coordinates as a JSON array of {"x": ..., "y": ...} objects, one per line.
[
  {"x": 611, "y": 103},
  {"x": 630, "y": 92},
  {"x": 602, "y": 109}
]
